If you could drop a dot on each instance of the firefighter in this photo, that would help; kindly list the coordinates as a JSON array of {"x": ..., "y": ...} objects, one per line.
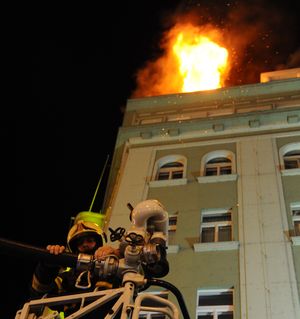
[{"x": 84, "y": 237}]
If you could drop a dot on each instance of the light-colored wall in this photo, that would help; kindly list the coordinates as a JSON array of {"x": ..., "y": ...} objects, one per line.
[
  {"x": 268, "y": 284},
  {"x": 132, "y": 186},
  {"x": 262, "y": 271},
  {"x": 188, "y": 270},
  {"x": 291, "y": 191}
]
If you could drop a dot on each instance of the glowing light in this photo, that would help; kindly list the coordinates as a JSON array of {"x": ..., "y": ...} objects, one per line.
[
  {"x": 201, "y": 62},
  {"x": 193, "y": 59}
]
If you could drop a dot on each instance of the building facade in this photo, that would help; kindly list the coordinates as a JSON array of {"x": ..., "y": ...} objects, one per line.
[{"x": 225, "y": 164}]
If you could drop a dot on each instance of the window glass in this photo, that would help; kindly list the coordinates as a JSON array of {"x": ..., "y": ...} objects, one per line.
[
  {"x": 163, "y": 176},
  {"x": 172, "y": 229},
  {"x": 226, "y": 170},
  {"x": 211, "y": 171},
  {"x": 296, "y": 218},
  {"x": 208, "y": 235},
  {"x": 216, "y": 226},
  {"x": 170, "y": 170},
  {"x": 219, "y": 160},
  {"x": 297, "y": 228},
  {"x": 172, "y": 222},
  {"x": 292, "y": 159},
  {"x": 206, "y": 316},
  {"x": 224, "y": 233},
  {"x": 216, "y": 217},
  {"x": 226, "y": 315},
  {"x": 222, "y": 298},
  {"x": 218, "y": 166},
  {"x": 215, "y": 304},
  {"x": 177, "y": 174}
]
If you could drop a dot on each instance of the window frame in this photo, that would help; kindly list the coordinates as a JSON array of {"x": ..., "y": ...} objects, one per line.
[
  {"x": 218, "y": 167},
  {"x": 173, "y": 247},
  {"x": 214, "y": 310},
  {"x": 154, "y": 182},
  {"x": 290, "y": 158},
  {"x": 285, "y": 149},
  {"x": 170, "y": 171},
  {"x": 217, "y": 154},
  {"x": 216, "y": 224},
  {"x": 296, "y": 237},
  {"x": 203, "y": 178},
  {"x": 172, "y": 228}
]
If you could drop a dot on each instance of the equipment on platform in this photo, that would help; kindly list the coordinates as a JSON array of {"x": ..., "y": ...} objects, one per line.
[{"x": 144, "y": 248}]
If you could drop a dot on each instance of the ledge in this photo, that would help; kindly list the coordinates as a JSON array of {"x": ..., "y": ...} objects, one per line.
[
  {"x": 290, "y": 172},
  {"x": 169, "y": 182},
  {"x": 217, "y": 178},
  {"x": 224, "y": 245},
  {"x": 295, "y": 240},
  {"x": 173, "y": 249}
]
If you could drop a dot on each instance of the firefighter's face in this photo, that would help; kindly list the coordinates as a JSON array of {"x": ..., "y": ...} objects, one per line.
[{"x": 86, "y": 245}]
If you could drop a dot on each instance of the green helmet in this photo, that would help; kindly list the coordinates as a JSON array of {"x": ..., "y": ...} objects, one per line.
[{"x": 86, "y": 224}]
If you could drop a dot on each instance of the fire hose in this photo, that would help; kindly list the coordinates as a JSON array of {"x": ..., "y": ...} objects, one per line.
[{"x": 109, "y": 265}]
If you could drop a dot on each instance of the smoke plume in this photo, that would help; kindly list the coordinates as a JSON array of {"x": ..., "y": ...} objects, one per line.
[{"x": 261, "y": 36}]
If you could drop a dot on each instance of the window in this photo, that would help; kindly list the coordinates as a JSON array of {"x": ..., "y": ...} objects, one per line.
[
  {"x": 172, "y": 229},
  {"x": 292, "y": 159},
  {"x": 295, "y": 210},
  {"x": 215, "y": 304},
  {"x": 218, "y": 166},
  {"x": 289, "y": 157},
  {"x": 170, "y": 170},
  {"x": 170, "y": 167},
  {"x": 216, "y": 226},
  {"x": 172, "y": 223}
]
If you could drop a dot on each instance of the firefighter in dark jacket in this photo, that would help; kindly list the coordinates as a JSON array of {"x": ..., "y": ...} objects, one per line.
[{"x": 84, "y": 237}]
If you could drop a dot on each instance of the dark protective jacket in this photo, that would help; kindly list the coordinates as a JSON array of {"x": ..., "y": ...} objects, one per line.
[{"x": 51, "y": 280}]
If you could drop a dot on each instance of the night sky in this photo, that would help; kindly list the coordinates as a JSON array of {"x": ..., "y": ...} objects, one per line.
[{"x": 72, "y": 70}]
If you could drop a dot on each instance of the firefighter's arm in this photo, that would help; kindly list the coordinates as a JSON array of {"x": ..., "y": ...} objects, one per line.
[{"x": 44, "y": 276}]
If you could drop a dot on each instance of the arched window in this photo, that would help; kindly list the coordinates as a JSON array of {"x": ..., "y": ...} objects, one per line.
[
  {"x": 220, "y": 162},
  {"x": 289, "y": 157},
  {"x": 169, "y": 170},
  {"x": 218, "y": 166}
]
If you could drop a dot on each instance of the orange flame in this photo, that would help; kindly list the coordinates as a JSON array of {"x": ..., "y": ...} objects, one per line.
[
  {"x": 192, "y": 61},
  {"x": 201, "y": 62}
]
